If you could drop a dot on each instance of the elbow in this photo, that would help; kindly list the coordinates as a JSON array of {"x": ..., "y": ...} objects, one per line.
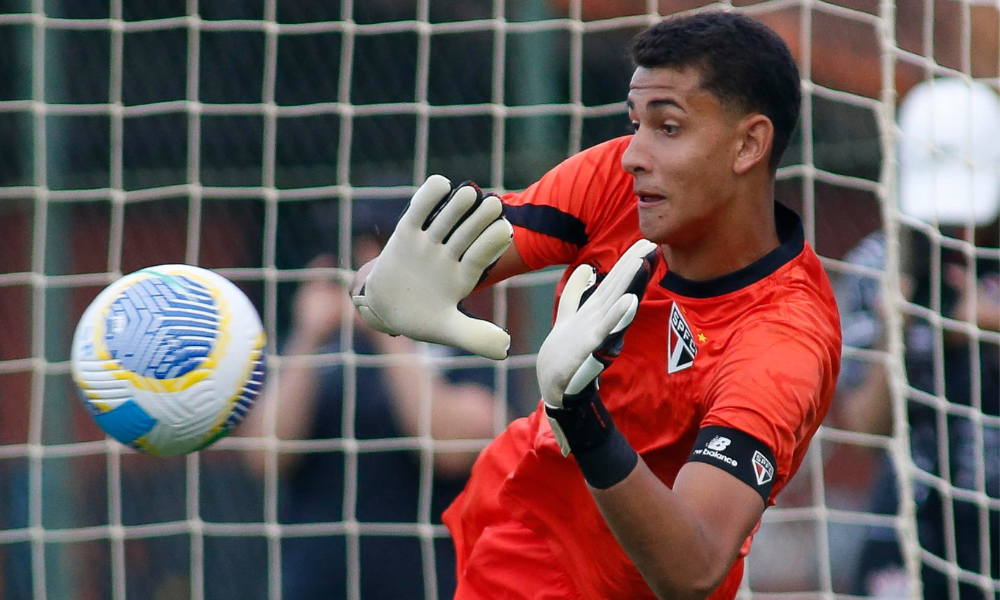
[
  {"x": 682, "y": 591},
  {"x": 255, "y": 462},
  {"x": 693, "y": 590},
  {"x": 453, "y": 465},
  {"x": 696, "y": 584}
]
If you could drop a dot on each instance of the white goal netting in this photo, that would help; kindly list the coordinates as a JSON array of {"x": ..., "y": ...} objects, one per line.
[{"x": 252, "y": 137}]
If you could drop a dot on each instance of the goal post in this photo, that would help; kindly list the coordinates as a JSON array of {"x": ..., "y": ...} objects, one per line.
[{"x": 252, "y": 137}]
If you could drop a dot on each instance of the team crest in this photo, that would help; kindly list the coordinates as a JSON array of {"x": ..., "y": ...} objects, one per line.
[
  {"x": 762, "y": 468},
  {"x": 680, "y": 342}
]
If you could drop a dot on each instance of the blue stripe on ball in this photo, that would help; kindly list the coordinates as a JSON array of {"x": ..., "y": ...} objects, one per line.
[{"x": 126, "y": 423}]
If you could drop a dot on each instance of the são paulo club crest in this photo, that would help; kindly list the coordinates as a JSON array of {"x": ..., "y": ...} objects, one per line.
[
  {"x": 762, "y": 468},
  {"x": 681, "y": 348}
]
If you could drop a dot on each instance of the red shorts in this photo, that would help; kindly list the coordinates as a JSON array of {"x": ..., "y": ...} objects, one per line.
[{"x": 511, "y": 562}]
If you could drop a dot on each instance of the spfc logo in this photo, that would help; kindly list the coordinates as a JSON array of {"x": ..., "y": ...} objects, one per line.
[
  {"x": 762, "y": 468},
  {"x": 681, "y": 348}
]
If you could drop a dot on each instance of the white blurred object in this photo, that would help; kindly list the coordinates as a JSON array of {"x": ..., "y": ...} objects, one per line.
[
  {"x": 889, "y": 584},
  {"x": 949, "y": 154}
]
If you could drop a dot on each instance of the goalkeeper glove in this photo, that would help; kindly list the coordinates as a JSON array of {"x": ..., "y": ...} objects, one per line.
[
  {"x": 442, "y": 247},
  {"x": 586, "y": 337}
]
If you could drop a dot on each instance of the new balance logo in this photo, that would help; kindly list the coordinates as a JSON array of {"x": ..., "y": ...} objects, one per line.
[
  {"x": 715, "y": 448},
  {"x": 719, "y": 443},
  {"x": 681, "y": 348},
  {"x": 762, "y": 468}
]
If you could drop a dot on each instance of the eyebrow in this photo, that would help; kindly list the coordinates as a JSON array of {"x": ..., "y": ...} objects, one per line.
[{"x": 656, "y": 103}]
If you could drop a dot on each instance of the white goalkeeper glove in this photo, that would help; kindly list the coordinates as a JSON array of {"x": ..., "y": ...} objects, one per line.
[
  {"x": 441, "y": 249},
  {"x": 584, "y": 340}
]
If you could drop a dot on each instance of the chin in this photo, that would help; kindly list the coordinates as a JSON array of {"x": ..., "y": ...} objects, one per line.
[{"x": 655, "y": 230}]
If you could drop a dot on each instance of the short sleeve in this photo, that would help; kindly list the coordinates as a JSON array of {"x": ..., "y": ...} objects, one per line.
[
  {"x": 775, "y": 384},
  {"x": 557, "y": 216}
]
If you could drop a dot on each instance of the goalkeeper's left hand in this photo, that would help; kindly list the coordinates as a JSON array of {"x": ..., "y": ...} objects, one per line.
[{"x": 586, "y": 338}]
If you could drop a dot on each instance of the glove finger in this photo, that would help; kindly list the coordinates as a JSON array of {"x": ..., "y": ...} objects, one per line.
[
  {"x": 374, "y": 321},
  {"x": 641, "y": 247},
  {"x": 641, "y": 271},
  {"x": 488, "y": 247},
  {"x": 626, "y": 265},
  {"x": 489, "y": 210},
  {"x": 641, "y": 278},
  {"x": 587, "y": 372},
  {"x": 451, "y": 214},
  {"x": 477, "y": 336},
  {"x": 631, "y": 305},
  {"x": 611, "y": 347},
  {"x": 622, "y": 274},
  {"x": 582, "y": 278},
  {"x": 425, "y": 200},
  {"x": 613, "y": 286},
  {"x": 615, "y": 323}
]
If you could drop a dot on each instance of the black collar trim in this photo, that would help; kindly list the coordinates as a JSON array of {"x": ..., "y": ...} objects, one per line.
[{"x": 792, "y": 238}]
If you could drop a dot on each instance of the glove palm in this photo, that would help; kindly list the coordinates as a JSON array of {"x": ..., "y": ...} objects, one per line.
[{"x": 443, "y": 244}]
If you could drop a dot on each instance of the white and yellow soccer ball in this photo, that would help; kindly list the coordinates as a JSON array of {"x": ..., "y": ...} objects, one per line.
[{"x": 169, "y": 359}]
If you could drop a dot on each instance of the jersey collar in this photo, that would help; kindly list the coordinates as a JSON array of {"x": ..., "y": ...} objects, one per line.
[{"x": 792, "y": 241}]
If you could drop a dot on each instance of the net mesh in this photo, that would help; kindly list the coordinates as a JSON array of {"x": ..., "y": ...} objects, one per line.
[{"x": 250, "y": 137}]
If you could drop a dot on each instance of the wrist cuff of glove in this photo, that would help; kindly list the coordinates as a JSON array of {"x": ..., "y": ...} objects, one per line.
[
  {"x": 607, "y": 465},
  {"x": 585, "y": 425}
]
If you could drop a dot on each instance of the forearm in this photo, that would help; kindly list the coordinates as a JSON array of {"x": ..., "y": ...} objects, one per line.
[
  {"x": 508, "y": 265},
  {"x": 409, "y": 381},
  {"x": 663, "y": 536},
  {"x": 456, "y": 411},
  {"x": 868, "y": 408},
  {"x": 294, "y": 397}
]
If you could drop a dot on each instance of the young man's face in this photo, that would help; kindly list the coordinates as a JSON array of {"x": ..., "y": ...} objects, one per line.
[{"x": 681, "y": 154}]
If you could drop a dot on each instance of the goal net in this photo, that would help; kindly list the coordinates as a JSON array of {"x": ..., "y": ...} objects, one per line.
[{"x": 276, "y": 142}]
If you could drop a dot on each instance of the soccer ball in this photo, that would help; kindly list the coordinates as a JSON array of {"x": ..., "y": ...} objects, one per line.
[{"x": 169, "y": 359}]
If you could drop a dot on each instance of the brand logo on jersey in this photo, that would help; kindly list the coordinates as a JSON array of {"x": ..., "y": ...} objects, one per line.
[
  {"x": 719, "y": 443},
  {"x": 714, "y": 449},
  {"x": 680, "y": 343},
  {"x": 762, "y": 468}
]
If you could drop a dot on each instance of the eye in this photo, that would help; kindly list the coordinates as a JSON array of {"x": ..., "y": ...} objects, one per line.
[
  {"x": 670, "y": 129},
  {"x": 633, "y": 126}
]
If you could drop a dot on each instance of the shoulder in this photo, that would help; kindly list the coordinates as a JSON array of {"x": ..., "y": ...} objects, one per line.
[
  {"x": 600, "y": 165},
  {"x": 609, "y": 152},
  {"x": 588, "y": 196},
  {"x": 797, "y": 311},
  {"x": 804, "y": 296}
]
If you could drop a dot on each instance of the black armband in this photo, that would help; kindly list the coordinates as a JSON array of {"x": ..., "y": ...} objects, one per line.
[
  {"x": 739, "y": 454},
  {"x": 584, "y": 427}
]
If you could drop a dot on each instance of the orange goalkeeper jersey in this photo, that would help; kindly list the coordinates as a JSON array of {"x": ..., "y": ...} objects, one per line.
[{"x": 757, "y": 351}]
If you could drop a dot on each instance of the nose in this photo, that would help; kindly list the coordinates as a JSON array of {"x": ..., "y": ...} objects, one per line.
[{"x": 635, "y": 160}]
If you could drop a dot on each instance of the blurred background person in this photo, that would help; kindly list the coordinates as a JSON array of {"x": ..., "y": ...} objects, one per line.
[
  {"x": 389, "y": 404},
  {"x": 949, "y": 156}
]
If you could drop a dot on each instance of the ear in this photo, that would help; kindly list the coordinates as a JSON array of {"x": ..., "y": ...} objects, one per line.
[{"x": 755, "y": 135}]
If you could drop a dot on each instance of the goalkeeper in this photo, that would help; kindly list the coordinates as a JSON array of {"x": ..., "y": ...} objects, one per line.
[{"x": 657, "y": 446}]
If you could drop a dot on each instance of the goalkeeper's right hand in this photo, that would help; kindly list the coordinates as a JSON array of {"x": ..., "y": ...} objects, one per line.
[{"x": 443, "y": 244}]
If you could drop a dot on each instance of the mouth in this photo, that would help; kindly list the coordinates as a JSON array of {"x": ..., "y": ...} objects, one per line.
[{"x": 646, "y": 200}]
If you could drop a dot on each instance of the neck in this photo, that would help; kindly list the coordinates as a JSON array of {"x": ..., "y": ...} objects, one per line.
[{"x": 742, "y": 234}]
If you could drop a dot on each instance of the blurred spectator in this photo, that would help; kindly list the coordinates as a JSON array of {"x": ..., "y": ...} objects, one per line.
[
  {"x": 949, "y": 156},
  {"x": 388, "y": 405}
]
